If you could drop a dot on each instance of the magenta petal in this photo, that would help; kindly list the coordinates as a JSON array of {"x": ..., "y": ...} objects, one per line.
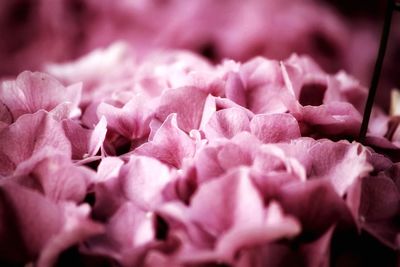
[
  {"x": 85, "y": 142},
  {"x": 276, "y": 226},
  {"x": 97, "y": 137},
  {"x": 27, "y": 136},
  {"x": 342, "y": 163},
  {"x": 56, "y": 177},
  {"x": 311, "y": 254},
  {"x": 143, "y": 180},
  {"x": 131, "y": 121},
  {"x": 187, "y": 102},
  {"x": 272, "y": 169},
  {"x": 207, "y": 164},
  {"x": 233, "y": 199},
  {"x": 333, "y": 118},
  {"x": 28, "y": 221},
  {"x": 77, "y": 228},
  {"x": 380, "y": 207},
  {"x": 127, "y": 234},
  {"x": 238, "y": 220},
  {"x": 5, "y": 116},
  {"x": 240, "y": 151},
  {"x": 170, "y": 144},
  {"x": 275, "y": 128},
  {"x": 308, "y": 201},
  {"x": 109, "y": 198},
  {"x": 232, "y": 155},
  {"x": 235, "y": 90},
  {"x": 226, "y": 123},
  {"x": 213, "y": 161},
  {"x": 319, "y": 100},
  {"x": 109, "y": 168},
  {"x": 263, "y": 82},
  {"x": 31, "y": 92}
]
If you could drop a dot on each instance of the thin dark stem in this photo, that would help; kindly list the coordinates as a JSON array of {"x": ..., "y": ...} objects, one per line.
[{"x": 377, "y": 70}]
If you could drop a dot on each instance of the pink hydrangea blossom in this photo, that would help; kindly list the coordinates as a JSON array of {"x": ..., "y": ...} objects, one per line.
[{"x": 172, "y": 161}]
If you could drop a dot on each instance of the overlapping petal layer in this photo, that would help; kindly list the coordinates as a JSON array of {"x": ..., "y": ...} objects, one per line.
[{"x": 176, "y": 162}]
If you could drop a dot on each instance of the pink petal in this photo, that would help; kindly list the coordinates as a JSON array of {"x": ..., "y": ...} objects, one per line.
[
  {"x": 342, "y": 163},
  {"x": 234, "y": 89},
  {"x": 308, "y": 201},
  {"x": 187, "y": 102},
  {"x": 182, "y": 185},
  {"x": 233, "y": 155},
  {"x": 131, "y": 121},
  {"x": 275, "y": 128},
  {"x": 333, "y": 118},
  {"x": 31, "y": 92},
  {"x": 128, "y": 234},
  {"x": 272, "y": 169},
  {"x": 277, "y": 226},
  {"x": 28, "y": 221},
  {"x": 207, "y": 164},
  {"x": 57, "y": 178},
  {"x": 233, "y": 199},
  {"x": 226, "y": 123},
  {"x": 263, "y": 81},
  {"x": 379, "y": 208},
  {"x": 240, "y": 151},
  {"x": 170, "y": 144},
  {"x": 5, "y": 116},
  {"x": 97, "y": 137},
  {"x": 109, "y": 198},
  {"x": 109, "y": 168},
  {"x": 85, "y": 142},
  {"x": 213, "y": 161},
  {"x": 77, "y": 227},
  {"x": 27, "y": 136},
  {"x": 143, "y": 180}
]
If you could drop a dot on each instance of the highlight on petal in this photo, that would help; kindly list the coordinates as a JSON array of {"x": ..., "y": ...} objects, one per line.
[
  {"x": 131, "y": 121},
  {"x": 276, "y": 226},
  {"x": 77, "y": 227},
  {"x": 31, "y": 92},
  {"x": 27, "y": 136},
  {"x": 143, "y": 180},
  {"x": 275, "y": 128},
  {"x": 226, "y": 123},
  {"x": 187, "y": 102},
  {"x": 234, "y": 89},
  {"x": 262, "y": 80},
  {"x": 108, "y": 168},
  {"x": 342, "y": 163},
  {"x": 55, "y": 176},
  {"x": 245, "y": 206},
  {"x": 170, "y": 144},
  {"x": 85, "y": 142},
  {"x": 128, "y": 235}
]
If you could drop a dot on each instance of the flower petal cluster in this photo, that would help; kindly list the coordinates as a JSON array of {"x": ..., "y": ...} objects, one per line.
[{"x": 171, "y": 161}]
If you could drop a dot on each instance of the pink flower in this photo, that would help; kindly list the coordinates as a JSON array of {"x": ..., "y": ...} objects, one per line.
[
  {"x": 379, "y": 206},
  {"x": 28, "y": 137},
  {"x": 31, "y": 92},
  {"x": 170, "y": 144},
  {"x": 37, "y": 229},
  {"x": 238, "y": 219}
]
